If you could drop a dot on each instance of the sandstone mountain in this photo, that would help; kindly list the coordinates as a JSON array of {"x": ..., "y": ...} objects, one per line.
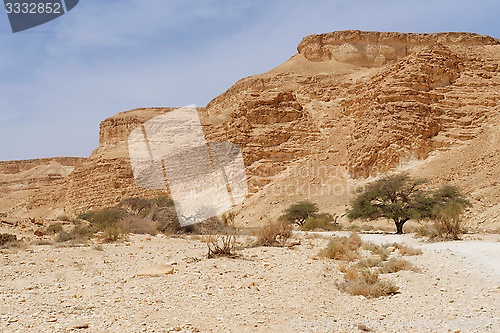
[{"x": 348, "y": 107}]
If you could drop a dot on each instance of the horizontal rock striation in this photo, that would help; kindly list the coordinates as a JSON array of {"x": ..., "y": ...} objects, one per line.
[{"x": 366, "y": 48}]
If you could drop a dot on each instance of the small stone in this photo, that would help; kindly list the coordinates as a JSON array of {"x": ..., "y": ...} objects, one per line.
[
  {"x": 78, "y": 324},
  {"x": 155, "y": 271}
]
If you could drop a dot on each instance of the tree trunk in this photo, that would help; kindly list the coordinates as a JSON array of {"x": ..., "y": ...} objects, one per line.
[{"x": 399, "y": 226}]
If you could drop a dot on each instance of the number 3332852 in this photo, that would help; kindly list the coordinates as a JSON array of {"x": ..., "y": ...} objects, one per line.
[{"x": 33, "y": 8}]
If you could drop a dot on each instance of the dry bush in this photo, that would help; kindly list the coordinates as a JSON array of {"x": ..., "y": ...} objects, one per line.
[
  {"x": 405, "y": 250},
  {"x": 274, "y": 233},
  {"x": 138, "y": 225},
  {"x": 343, "y": 248},
  {"x": 221, "y": 245},
  {"x": 448, "y": 228},
  {"x": 354, "y": 241},
  {"x": 221, "y": 236},
  {"x": 442, "y": 229},
  {"x": 369, "y": 262},
  {"x": 395, "y": 265},
  {"x": 377, "y": 249},
  {"x": 362, "y": 281},
  {"x": 424, "y": 230}
]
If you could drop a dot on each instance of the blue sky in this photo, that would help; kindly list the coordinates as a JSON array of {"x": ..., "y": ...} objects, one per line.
[{"x": 59, "y": 80}]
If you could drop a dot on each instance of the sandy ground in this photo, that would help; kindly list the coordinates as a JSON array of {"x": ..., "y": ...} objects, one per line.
[{"x": 59, "y": 289}]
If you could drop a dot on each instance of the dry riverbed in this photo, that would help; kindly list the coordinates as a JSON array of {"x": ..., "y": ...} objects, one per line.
[{"x": 162, "y": 284}]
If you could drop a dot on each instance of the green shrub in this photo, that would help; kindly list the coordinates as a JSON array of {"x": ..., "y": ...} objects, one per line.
[
  {"x": 136, "y": 205},
  {"x": 5, "y": 239},
  {"x": 402, "y": 198},
  {"x": 108, "y": 221},
  {"x": 164, "y": 201},
  {"x": 54, "y": 228}
]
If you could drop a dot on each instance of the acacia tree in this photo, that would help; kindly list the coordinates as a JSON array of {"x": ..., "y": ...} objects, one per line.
[
  {"x": 401, "y": 198},
  {"x": 298, "y": 213},
  {"x": 396, "y": 197}
]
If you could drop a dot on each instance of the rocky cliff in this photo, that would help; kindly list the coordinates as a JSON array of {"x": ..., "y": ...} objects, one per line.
[{"x": 347, "y": 107}]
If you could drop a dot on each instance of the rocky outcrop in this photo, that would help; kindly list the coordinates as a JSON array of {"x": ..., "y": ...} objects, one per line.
[
  {"x": 366, "y": 48},
  {"x": 349, "y": 106}
]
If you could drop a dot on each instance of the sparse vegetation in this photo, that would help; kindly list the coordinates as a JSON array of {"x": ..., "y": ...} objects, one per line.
[
  {"x": 407, "y": 250},
  {"x": 132, "y": 215},
  {"x": 370, "y": 262},
  {"x": 381, "y": 251},
  {"x": 361, "y": 277},
  {"x": 343, "y": 248},
  {"x": 274, "y": 233},
  {"x": 54, "y": 228},
  {"x": 223, "y": 244},
  {"x": 362, "y": 281},
  {"x": 394, "y": 265}
]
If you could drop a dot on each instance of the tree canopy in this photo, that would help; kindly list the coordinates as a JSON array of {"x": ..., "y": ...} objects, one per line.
[
  {"x": 298, "y": 213},
  {"x": 401, "y": 198}
]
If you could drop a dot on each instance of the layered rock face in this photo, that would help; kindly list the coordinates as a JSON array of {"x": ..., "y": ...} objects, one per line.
[
  {"x": 106, "y": 177},
  {"x": 364, "y": 48},
  {"x": 348, "y": 107},
  {"x": 35, "y": 187}
]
